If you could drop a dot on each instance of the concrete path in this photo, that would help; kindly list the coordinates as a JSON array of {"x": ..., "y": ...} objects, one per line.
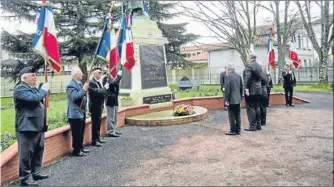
[{"x": 132, "y": 159}]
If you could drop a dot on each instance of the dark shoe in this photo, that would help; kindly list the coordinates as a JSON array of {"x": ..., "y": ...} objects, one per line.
[
  {"x": 238, "y": 133},
  {"x": 39, "y": 177},
  {"x": 85, "y": 150},
  {"x": 230, "y": 133},
  {"x": 112, "y": 134},
  {"x": 96, "y": 144},
  {"x": 29, "y": 183},
  {"x": 258, "y": 128},
  {"x": 79, "y": 154},
  {"x": 118, "y": 133},
  {"x": 102, "y": 141},
  {"x": 250, "y": 129},
  {"x": 268, "y": 106},
  {"x": 292, "y": 105}
]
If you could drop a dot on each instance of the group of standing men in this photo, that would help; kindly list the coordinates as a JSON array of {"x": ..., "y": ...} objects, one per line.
[
  {"x": 30, "y": 117},
  {"x": 256, "y": 88}
]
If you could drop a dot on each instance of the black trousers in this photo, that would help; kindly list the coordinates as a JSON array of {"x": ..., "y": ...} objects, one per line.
[
  {"x": 234, "y": 118},
  {"x": 31, "y": 149},
  {"x": 268, "y": 92},
  {"x": 96, "y": 123},
  {"x": 78, "y": 131},
  {"x": 263, "y": 110},
  {"x": 288, "y": 95},
  {"x": 253, "y": 111}
]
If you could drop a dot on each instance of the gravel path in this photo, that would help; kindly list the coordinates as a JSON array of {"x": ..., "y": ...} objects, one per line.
[{"x": 295, "y": 148}]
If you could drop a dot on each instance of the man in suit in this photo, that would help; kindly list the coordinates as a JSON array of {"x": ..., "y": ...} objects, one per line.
[
  {"x": 76, "y": 111},
  {"x": 289, "y": 81},
  {"x": 253, "y": 92},
  {"x": 223, "y": 77},
  {"x": 233, "y": 94},
  {"x": 96, "y": 100},
  {"x": 269, "y": 84},
  {"x": 264, "y": 97},
  {"x": 30, "y": 126},
  {"x": 111, "y": 101}
]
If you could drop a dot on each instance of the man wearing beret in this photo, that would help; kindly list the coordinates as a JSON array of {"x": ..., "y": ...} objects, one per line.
[
  {"x": 76, "y": 111},
  {"x": 30, "y": 126},
  {"x": 96, "y": 101}
]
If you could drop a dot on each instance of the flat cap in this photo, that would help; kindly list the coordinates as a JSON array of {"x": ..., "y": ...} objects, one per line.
[{"x": 28, "y": 69}]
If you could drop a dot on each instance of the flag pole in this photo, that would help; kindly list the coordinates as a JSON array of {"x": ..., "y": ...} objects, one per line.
[{"x": 46, "y": 103}]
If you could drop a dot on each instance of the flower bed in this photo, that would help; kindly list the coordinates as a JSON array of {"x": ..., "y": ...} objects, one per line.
[{"x": 183, "y": 110}]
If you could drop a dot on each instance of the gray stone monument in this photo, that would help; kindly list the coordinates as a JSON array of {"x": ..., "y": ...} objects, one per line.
[{"x": 147, "y": 82}]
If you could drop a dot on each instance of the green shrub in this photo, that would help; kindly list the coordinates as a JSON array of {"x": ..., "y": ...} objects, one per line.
[{"x": 6, "y": 140}]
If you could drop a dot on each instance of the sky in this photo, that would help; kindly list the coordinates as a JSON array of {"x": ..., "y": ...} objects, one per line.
[{"x": 194, "y": 27}]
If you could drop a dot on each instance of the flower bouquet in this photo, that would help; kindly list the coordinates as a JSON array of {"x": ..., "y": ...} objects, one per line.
[{"x": 183, "y": 110}]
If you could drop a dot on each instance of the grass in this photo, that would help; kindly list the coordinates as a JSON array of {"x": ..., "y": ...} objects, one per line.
[{"x": 214, "y": 90}]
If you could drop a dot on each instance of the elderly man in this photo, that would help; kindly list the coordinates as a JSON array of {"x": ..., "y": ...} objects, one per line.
[
  {"x": 253, "y": 92},
  {"x": 96, "y": 100},
  {"x": 76, "y": 111},
  {"x": 233, "y": 97},
  {"x": 288, "y": 84},
  {"x": 30, "y": 126},
  {"x": 112, "y": 86},
  {"x": 223, "y": 77}
]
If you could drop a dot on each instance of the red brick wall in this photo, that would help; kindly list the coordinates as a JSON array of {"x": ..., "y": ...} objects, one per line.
[{"x": 58, "y": 141}]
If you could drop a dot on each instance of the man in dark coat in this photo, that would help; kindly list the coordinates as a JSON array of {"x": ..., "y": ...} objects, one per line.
[
  {"x": 76, "y": 111},
  {"x": 264, "y": 97},
  {"x": 233, "y": 94},
  {"x": 96, "y": 100},
  {"x": 111, "y": 101},
  {"x": 269, "y": 84},
  {"x": 289, "y": 82},
  {"x": 223, "y": 77},
  {"x": 253, "y": 92},
  {"x": 30, "y": 126}
]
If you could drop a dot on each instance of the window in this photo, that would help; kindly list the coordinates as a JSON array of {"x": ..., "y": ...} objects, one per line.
[
  {"x": 299, "y": 44},
  {"x": 305, "y": 62},
  {"x": 307, "y": 46},
  {"x": 198, "y": 53},
  {"x": 309, "y": 61},
  {"x": 303, "y": 44}
]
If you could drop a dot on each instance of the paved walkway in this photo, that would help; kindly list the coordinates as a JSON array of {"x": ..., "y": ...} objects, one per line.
[{"x": 125, "y": 160}]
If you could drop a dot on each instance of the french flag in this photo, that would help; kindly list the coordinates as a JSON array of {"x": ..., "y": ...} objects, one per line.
[
  {"x": 126, "y": 45},
  {"x": 107, "y": 47},
  {"x": 45, "y": 40},
  {"x": 271, "y": 53},
  {"x": 293, "y": 55}
]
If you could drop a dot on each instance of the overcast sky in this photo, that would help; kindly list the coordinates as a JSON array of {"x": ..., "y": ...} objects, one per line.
[{"x": 192, "y": 27}]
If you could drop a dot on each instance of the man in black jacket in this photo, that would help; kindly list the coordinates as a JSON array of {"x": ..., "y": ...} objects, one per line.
[
  {"x": 264, "y": 97},
  {"x": 96, "y": 99},
  {"x": 269, "y": 84},
  {"x": 223, "y": 77},
  {"x": 233, "y": 94},
  {"x": 112, "y": 86},
  {"x": 289, "y": 81},
  {"x": 253, "y": 92}
]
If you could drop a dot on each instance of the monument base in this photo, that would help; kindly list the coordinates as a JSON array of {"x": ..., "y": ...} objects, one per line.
[{"x": 147, "y": 96}]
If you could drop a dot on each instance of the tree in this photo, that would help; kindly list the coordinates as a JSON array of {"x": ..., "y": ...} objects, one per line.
[
  {"x": 78, "y": 24},
  {"x": 283, "y": 29},
  {"x": 174, "y": 33},
  {"x": 326, "y": 39},
  {"x": 231, "y": 21}
]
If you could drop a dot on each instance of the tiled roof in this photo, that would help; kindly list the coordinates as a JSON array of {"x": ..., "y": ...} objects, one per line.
[{"x": 200, "y": 57}]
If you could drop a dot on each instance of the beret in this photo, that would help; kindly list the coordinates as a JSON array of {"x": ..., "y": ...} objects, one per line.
[{"x": 29, "y": 69}]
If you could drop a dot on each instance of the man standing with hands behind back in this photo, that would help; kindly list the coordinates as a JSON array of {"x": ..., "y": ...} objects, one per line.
[
  {"x": 76, "y": 111},
  {"x": 30, "y": 126},
  {"x": 233, "y": 94},
  {"x": 288, "y": 83}
]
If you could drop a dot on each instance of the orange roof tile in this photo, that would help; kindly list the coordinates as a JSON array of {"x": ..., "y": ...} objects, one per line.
[{"x": 199, "y": 57}]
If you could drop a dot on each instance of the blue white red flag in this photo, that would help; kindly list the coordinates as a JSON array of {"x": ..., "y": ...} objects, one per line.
[
  {"x": 126, "y": 44},
  {"x": 45, "y": 40}
]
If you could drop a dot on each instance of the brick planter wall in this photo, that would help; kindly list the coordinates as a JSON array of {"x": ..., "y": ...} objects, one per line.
[{"x": 58, "y": 141}]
